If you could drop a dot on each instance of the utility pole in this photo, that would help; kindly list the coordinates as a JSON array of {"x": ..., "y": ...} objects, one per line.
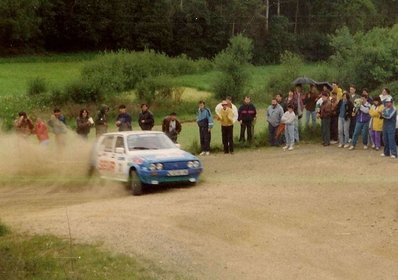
[{"x": 181, "y": 4}]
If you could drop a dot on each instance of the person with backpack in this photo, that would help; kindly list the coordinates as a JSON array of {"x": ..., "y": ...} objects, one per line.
[{"x": 205, "y": 123}]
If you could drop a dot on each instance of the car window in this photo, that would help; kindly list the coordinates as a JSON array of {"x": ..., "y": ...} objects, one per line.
[
  {"x": 149, "y": 142},
  {"x": 119, "y": 142},
  {"x": 107, "y": 144}
]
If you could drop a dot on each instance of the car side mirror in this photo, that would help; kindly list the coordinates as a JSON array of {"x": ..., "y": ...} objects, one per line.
[
  {"x": 120, "y": 150},
  {"x": 178, "y": 145}
]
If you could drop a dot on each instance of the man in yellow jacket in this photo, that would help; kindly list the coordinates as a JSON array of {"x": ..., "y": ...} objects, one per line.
[{"x": 226, "y": 118}]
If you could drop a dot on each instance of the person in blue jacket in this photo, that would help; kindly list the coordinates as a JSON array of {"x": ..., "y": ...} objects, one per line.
[
  {"x": 390, "y": 118},
  {"x": 205, "y": 123}
]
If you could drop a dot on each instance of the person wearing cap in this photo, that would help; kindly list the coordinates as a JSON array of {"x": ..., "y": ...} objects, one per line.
[
  {"x": 325, "y": 114},
  {"x": 145, "y": 118},
  {"x": 171, "y": 126},
  {"x": 226, "y": 118},
  {"x": 389, "y": 116},
  {"x": 205, "y": 123},
  {"x": 362, "y": 124}
]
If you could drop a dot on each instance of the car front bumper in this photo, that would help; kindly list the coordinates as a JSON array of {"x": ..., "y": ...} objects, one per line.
[{"x": 162, "y": 176}]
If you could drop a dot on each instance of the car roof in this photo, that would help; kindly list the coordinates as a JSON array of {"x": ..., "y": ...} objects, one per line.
[{"x": 138, "y": 132}]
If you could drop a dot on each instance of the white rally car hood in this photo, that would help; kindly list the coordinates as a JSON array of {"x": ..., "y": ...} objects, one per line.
[{"x": 162, "y": 155}]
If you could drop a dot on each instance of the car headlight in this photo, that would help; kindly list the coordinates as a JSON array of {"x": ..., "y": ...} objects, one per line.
[
  {"x": 196, "y": 164},
  {"x": 190, "y": 164},
  {"x": 152, "y": 167},
  {"x": 159, "y": 166}
]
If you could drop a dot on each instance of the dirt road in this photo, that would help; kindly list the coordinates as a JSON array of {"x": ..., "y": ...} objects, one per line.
[{"x": 314, "y": 213}]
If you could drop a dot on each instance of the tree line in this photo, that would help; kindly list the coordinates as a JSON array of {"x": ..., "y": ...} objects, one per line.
[{"x": 197, "y": 28}]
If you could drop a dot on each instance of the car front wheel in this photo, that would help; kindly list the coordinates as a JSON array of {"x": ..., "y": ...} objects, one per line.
[{"x": 135, "y": 183}]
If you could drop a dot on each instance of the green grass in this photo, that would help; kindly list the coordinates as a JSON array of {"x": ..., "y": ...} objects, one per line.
[
  {"x": 14, "y": 77},
  {"x": 49, "y": 257}
]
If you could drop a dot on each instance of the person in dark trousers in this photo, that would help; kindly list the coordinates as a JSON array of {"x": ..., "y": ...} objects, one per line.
[
  {"x": 273, "y": 115},
  {"x": 84, "y": 123},
  {"x": 334, "y": 120},
  {"x": 171, "y": 126},
  {"x": 101, "y": 120},
  {"x": 205, "y": 123},
  {"x": 246, "y": 116},
  {"x": 325, "y": 114},
  {"x": 226, "y": 118},
  {"x": 123, "y": 120},
  {"x": 309, "y": 104},
  {"x": 354, "y": 97},
  {"x": 389, "y": 124},
  {"x": 145, "y": 118}
]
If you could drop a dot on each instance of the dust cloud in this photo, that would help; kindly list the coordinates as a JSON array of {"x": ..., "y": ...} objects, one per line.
[{"x": 26, "y": 163}]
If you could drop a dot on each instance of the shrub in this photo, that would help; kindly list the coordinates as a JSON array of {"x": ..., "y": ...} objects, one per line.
[
  {"x": 81, "y": 92},
  {"x": 231, "y": 62},
  {"x": 3, "y": 229},
  {"x": 366, "y": 59},
  {"x": 37, "y": 86},
  {"x": 154, "y": 89},
  {"x": 281, "y": 82}
]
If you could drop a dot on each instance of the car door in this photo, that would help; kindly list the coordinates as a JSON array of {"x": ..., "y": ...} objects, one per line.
[
  {"x": 120, "y": 158},
  {"x": 105, "y": 163}
]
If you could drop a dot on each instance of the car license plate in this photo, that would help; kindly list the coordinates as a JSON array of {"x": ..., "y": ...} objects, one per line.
[{"x": 181, "y": 172}]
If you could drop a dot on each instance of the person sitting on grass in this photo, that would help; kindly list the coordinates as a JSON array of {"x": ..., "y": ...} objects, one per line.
[{"x": 288, "y": 118}]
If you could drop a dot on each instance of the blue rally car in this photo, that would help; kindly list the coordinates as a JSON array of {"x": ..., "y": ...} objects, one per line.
[{"x": 143, "y": 157}]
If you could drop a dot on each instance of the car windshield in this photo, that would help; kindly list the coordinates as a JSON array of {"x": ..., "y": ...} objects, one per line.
[{"x": 150, "y": 141}]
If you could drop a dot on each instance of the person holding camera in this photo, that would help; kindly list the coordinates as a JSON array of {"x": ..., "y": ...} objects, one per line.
[{"x": 23, "y": 124}]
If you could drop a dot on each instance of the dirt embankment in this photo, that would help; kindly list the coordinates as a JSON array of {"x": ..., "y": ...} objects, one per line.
[{"x": 314, "y": 213}]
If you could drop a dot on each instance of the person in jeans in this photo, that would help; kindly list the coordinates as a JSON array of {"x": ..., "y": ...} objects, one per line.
[
  {"x": 362, "y": 124},
  {"x": 354, "y": 97},
  {"x": 205, "y": 123},
  {"x": 246, "y": 116},
  {"x": 226, "y": 118},
  {"x": 325, "y": 114},
  {"x": 390, "y": 117},
  {"x": 288, "y": 118},
  {"x": 273, "y": 115},
  {"x": 376, "y": 123},
  {"x": 344, "y": 112},
  {"x": 310, "y": 104}
]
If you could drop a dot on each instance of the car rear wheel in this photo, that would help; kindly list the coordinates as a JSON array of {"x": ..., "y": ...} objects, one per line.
[{"x": 135, "y": 183}]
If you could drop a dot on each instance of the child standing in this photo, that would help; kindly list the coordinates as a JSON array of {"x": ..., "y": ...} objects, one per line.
[
  {"x": 376, "y": 127},
  {"x": 288, "y": 118}
]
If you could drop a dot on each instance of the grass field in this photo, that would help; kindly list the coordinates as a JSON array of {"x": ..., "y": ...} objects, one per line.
[{"x": 49, "y": 257}]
